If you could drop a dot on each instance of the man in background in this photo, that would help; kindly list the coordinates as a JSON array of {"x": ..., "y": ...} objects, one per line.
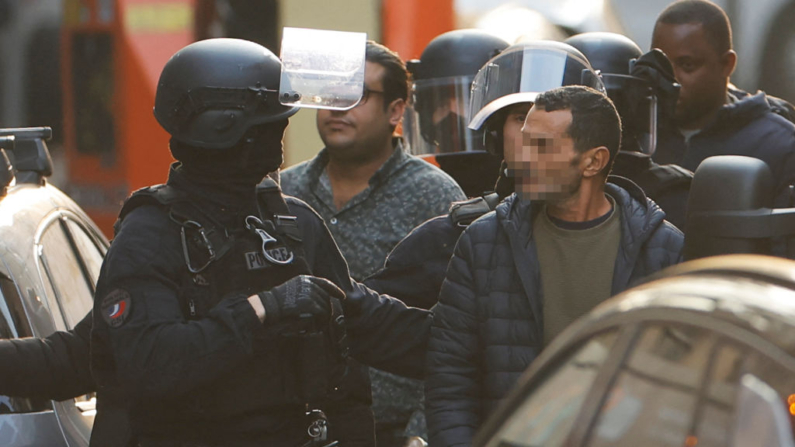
[{"x": 371, "y": 193}]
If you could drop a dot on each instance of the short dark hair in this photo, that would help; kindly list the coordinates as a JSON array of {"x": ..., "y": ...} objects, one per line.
[
  {"x": 395, "y": 80},
  {"x": 594, "y": 119},
  {"x": 711, "y": 17}
]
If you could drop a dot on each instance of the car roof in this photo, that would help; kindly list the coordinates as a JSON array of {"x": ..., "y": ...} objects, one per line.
[{"x": 756, "y": 293}]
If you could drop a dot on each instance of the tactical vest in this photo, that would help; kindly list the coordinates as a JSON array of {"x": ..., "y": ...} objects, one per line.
[{"x": 294, "y": 364}]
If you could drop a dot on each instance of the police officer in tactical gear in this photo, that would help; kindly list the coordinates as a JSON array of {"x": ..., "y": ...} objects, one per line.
[
  {"x": 435, "y": 123},
  {"x": 503, "y": 91},
  {"x": 213, "y": 324},
  {"x": 644, "y": 91}
]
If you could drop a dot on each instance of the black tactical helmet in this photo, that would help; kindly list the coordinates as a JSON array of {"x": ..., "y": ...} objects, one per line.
[
  {"x": 607, "y": 52},
  {"x": 642, "y": 86},
  {"x": 211, "y": 92},
  {"x": 441, "y": 81},
  {"x": 456, "y": 53}
]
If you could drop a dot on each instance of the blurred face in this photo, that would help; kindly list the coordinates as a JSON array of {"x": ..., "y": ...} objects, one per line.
[
  {"x": 546, "y": 166},
  {"x": 362, "y": 132},
  {"x": 701, "y": 70},
  {"x": 512, "y": 128}
]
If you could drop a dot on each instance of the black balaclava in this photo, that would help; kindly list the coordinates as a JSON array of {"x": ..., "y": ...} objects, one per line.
[{"x": 229, "y": 176}]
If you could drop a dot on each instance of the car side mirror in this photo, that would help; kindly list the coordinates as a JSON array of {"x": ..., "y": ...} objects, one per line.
[{"x": 730, "y": 209}]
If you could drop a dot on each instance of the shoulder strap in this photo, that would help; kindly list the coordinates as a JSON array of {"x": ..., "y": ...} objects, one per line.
[
  {"x": 660, "y": 178},
  {"x": 273, "y": 207},
  {"x": 464, "y": 213},
  {"x": 163, "y": 195}
]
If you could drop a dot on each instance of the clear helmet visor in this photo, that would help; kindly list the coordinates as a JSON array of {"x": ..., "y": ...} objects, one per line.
[
  {"x": 521, "y": 73},
  {"x": 436, "y": 117},
  {"x": 322, "y": 69},
  {"x": 637, "y": 105}
]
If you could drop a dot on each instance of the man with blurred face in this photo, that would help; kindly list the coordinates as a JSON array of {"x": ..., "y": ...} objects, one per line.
[
  {"x": 711, "y": 117},
  {"x": 562, "y": 243}
]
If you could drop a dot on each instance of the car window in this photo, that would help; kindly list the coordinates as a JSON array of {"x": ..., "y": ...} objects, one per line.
[
  {"x": 716, "y": 412},
  {"x": 13, "y": 321},
  {"x": 778, "y": 377},
  {"x": 73, "y": 290},
  {"x": 654, "y": 396},
  {"x": 546, "y": 416},
  {"x": 14, "y": 324},
  {"x": 90, "y": 250}
]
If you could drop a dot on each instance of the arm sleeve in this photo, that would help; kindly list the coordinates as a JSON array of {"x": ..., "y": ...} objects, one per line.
[
  {"x": 154, "y": 350},
  {"x": 56, "y": 367},
  {"x": 415, "y": 268},
  {"x": 452, "y": 393},
  {"x": 382, "y": 331}
]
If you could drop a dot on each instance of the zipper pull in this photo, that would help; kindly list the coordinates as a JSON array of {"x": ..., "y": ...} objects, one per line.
[{"x": 192, "y": 307}]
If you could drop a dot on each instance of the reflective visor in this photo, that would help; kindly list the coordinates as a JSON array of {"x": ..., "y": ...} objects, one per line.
[
  {"x": 322, "y": 69},
  {"x": 436, "y": 118},
  {"x": 522, "y": 72},
  {"x": 636, "y": 103}
]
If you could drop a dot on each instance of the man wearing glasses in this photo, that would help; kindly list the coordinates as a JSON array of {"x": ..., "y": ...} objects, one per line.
[{"x": 371, "y": 192}]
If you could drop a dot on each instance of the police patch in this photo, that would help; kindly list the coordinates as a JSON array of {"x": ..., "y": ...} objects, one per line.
[{"x": 116, "y": 307}]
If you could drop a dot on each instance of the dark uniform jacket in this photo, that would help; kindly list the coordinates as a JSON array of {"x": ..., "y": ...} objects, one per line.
[
  {"x": 187, "y": 352},
  {"x": 746, "y": 126},
  {"x": 414, "y": 270},
  {"x": 54, "y": 368},
  {"x": 487, "y": 327},
  {"x": 666, "y": 185}
]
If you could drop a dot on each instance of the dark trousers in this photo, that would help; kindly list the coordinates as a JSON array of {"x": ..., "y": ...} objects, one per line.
[{"x": 352, "y": 424}]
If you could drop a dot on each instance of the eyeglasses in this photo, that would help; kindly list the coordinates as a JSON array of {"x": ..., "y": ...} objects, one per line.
[{"x": 366, "y": 94}]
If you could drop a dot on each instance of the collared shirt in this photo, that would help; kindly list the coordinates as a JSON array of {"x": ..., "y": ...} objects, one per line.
[{"x": 405, "y": 192}]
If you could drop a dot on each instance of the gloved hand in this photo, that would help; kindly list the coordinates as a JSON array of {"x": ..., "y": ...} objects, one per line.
[{"x": 300, "y": 296}]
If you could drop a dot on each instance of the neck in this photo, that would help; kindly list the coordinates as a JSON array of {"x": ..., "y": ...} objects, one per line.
[
  {"x": 226, "y": 191},
  {"x": 349, "y": 177},
  {"x": 702, "y": 121},
  {"x": 588, "y": 203}
]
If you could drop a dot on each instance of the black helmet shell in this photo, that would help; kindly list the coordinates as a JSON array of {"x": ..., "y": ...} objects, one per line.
[
  {"x": 456, "y": 53},
  {"x": 607, "y": 52},
  {"x": 211, "y": 92}
]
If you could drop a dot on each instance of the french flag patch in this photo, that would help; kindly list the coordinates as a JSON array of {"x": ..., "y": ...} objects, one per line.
[{"x": 116, "y": 307}]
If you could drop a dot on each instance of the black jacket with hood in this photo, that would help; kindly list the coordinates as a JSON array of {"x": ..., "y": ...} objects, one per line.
[
  {"x": 748, "y": 126},
  {"x": 487, "y": 325}
]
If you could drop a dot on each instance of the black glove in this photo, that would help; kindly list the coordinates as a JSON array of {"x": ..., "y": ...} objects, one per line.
[
  {"x": 300, "y": 296},
  {"x": 655, "y": 68}
]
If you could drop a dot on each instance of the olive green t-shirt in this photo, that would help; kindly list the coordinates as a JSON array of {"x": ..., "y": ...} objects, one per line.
[{"x": 576, "y": 266}]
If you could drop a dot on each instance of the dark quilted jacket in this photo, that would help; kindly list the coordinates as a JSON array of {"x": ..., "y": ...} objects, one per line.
[{"x": 487, "y": 328}]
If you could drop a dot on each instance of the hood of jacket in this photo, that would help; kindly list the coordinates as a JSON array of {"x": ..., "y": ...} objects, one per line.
[{"x": 640, "y": 218}]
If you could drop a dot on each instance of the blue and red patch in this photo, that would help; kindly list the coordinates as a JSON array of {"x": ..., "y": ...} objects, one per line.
[{"x": 116, "y": 307}]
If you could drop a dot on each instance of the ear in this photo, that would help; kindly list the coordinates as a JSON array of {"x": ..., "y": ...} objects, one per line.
[
  {"x": 595, "y": 161},
  {"x": 395, "y": 111},
  {"x": 729, "y": 62}
]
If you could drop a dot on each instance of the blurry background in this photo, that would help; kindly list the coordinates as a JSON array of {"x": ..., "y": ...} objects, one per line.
[{"x": 89, "y": 68}]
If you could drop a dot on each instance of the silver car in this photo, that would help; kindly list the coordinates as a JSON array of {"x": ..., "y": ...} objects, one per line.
[
  {"x": 704, "y": 356},
  {"x": 50, "y": 256}
]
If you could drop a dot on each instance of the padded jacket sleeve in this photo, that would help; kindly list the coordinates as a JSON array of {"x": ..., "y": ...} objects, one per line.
[
  {"x": 452, "y": 392},
  {"x": 55, "y": 367}
]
